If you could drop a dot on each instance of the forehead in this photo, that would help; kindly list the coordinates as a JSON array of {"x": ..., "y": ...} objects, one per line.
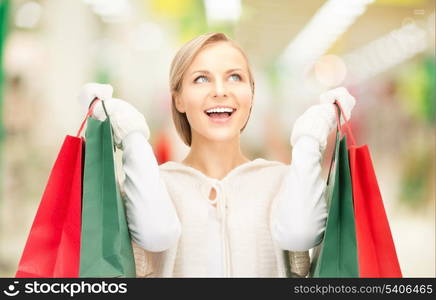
[{"x": 219, "y": 56}]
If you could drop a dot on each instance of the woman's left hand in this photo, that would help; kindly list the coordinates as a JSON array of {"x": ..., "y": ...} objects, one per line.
[
  {"x": 340, "y": 94},
  {"x": 319, "y": 120}
]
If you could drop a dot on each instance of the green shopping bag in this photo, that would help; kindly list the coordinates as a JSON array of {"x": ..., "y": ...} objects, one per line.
[
  {"x": 106, "y": 249},
  {"x": 336, "y": 256}
]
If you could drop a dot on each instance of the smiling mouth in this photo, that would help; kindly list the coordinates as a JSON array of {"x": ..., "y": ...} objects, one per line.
[{"x": 220, "y": 113}]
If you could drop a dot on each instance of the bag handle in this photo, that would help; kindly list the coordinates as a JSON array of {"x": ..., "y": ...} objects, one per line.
[
  {"x": 340, "y": 129},
  {"x": 90, "y": 111},
  {"x": 344, "y": 129}
]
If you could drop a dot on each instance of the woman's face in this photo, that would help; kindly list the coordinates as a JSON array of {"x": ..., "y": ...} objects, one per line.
[{"x": 216, "y": 93}]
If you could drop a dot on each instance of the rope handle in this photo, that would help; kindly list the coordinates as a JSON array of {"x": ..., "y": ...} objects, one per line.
[
  {"x": 342, "y": 130},
  {"x": 90, "y": 111}
]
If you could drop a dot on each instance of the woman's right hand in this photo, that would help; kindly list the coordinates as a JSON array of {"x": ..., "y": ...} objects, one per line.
[
  {"x": 151, "y": 216},
  {"x": 124, "y": 117}
]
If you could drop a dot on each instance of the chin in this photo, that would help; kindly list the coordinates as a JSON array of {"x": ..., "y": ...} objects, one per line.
[{"x": 221, "y": 135}]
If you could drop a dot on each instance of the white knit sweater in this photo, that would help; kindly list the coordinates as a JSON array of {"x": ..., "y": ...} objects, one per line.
[{"x": 263, "y": 207}]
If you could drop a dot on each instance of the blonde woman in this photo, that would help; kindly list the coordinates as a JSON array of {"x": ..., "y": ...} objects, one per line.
[{"x": 218, "y": 213}]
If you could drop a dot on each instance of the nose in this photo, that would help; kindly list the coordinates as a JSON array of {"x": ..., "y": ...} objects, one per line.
[{"x": 220, "y": 89}]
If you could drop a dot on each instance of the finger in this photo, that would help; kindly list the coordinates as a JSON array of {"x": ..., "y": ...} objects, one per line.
[
  {"x": 104, "y": 92},
  {"x": 328, "y": 97},
  {"x": 92, "y": 90}
]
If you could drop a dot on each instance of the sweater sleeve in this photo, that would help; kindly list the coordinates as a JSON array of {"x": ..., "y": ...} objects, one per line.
[
  {"x": 151, "y": 215},
  {"x": 298, "y": 220}
]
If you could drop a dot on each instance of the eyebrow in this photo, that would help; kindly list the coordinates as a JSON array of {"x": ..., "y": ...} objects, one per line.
[{"x": 207, "y": 72}]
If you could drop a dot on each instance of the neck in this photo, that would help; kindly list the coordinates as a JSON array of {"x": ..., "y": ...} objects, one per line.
[{"x": 215, "y": 159}]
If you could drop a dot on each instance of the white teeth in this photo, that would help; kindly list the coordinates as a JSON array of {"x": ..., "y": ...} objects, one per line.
[{"x": 220, "y": 110}]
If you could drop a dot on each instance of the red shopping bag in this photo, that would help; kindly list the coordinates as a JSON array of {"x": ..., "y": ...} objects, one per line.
[
  {"x": 375, "y": 247},
  {"x": 53, "y": 245}
]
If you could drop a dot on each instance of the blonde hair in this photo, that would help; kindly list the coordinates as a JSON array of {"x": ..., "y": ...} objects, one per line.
[{"x": 181, "y": 62}]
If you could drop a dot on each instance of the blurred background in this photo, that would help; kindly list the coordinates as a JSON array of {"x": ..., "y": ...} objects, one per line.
[{"x": 383, "y": 51}]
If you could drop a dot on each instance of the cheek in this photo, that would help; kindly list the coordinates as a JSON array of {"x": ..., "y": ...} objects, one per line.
[
  {"x": 244, "y": 96},
  {"x": 192, "y": 99}
]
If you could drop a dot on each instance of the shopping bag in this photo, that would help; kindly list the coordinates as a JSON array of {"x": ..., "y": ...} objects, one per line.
[
  {"x": 336, "y": 256},
  {"x": 376, "y": 249},
  {"x": 106, "y": 249},
  {"x": 53, "y": 245}
]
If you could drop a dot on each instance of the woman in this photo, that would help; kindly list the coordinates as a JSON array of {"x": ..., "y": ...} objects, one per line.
[{"x": 218, "y": 213}]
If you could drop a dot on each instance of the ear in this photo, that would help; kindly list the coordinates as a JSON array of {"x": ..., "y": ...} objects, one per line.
[{"x": 179, "y": 103}]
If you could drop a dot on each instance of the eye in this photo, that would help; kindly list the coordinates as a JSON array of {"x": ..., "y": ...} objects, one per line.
[
  {"x": 200, "y": 79},
  {"x": 235, "y": 77}
]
